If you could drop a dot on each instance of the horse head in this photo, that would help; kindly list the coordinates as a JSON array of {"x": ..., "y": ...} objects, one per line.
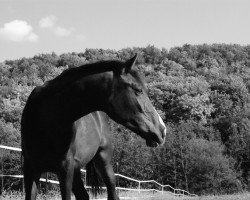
[{"x": 131, "y": 106}]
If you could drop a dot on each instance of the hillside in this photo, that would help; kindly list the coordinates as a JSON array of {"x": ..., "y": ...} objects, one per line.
[{"x": 201, "y": 91}]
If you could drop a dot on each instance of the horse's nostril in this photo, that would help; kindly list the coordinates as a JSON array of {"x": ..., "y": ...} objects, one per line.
[{"x": 164, "y": 133}]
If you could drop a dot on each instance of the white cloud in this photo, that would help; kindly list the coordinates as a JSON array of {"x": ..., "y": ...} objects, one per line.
[
  {"x": 51, "y": 23},
  {"x": 48, "y": 22},
  {"x": 63, "y": 32},
  {"x": 18, "y": 31}
]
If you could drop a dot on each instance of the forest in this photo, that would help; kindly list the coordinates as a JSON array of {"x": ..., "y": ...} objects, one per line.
[{"x": 201, "y": 91}]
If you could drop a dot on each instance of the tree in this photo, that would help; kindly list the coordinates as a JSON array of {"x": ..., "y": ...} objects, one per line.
[{"x": 209, "y": 171}]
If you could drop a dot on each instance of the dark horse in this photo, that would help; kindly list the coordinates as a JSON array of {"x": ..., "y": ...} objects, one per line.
[{"x": 61, "y": 132}]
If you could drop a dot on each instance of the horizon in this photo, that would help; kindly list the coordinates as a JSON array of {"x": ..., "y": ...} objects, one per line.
[
  {"x": 28, "y": 29},
  {"x": 78, "y": 52}
]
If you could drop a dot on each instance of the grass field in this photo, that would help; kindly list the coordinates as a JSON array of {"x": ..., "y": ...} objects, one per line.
[
  {"x": 242, "y": 196},
  {"x": 56, "y": 196}
]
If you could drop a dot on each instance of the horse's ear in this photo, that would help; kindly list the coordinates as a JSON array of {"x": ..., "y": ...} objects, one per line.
[{"x": 130, "y": 63}]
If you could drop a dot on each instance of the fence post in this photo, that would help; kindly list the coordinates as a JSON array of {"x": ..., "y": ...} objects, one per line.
[
  {"x": 139, "y": 186},
  {"x": 46, "y": 186},
  {"x": 23, "y": 173},
  {"x": 117, "y": 177},
  {"x": 162, "y": 189},
  {"x": 85, "y": 179},
  {"x": 2, "y": 176}
]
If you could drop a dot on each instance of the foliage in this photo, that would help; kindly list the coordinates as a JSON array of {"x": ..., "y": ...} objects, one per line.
[{"x": 201, "y": 92}]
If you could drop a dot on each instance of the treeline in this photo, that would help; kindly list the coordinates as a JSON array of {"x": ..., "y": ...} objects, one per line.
[{"x": 201, "y": 92}]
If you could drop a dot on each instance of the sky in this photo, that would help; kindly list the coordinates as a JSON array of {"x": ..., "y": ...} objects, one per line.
[{"x": 30, "y": 27}]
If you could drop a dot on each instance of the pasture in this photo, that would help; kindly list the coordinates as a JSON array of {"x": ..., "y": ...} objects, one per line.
[{"x": 134, "y": 196}]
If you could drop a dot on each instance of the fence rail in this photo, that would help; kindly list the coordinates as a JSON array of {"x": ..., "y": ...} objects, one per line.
[{"x": 175, "y": 192}]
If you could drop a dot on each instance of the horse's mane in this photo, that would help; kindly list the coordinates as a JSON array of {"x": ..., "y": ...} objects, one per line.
[{"x": 69, "y": 76}]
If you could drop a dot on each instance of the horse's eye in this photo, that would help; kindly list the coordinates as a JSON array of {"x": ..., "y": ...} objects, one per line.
[{"x": 138, "y": 91}]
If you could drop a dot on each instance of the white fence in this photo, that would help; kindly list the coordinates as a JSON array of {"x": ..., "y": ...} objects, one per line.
[{"x": 164, "y": 188}]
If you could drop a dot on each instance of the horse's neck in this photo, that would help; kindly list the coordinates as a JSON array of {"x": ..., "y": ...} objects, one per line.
[
  {"x": 72, "y": 74},
  {"x": 84, "y": 96},
  {"x": 94, "y": 91}
]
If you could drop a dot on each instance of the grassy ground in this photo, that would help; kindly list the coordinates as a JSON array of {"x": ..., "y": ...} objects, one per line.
[
  {"x": 241, "y": 196},
  {"x": 56, "y": 196}
]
